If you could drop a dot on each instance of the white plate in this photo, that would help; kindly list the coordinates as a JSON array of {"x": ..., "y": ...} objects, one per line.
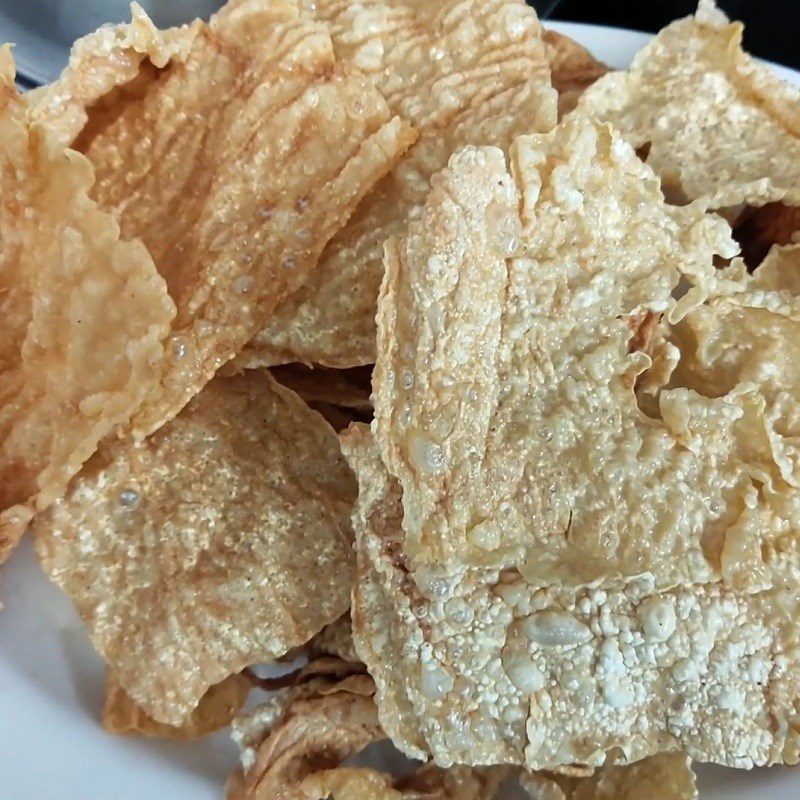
[{"x": 51, "y": 681}]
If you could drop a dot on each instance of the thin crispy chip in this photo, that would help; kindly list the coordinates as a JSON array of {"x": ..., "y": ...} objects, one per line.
[
  {"x": 84, "y": 317},
  {"x": 471, "y": 72},
  {"x": 720, "y": 126},
  {"x": 235, "y": 167},
  {"x": 572, "y": 69},
  {"x": 504, "y": 388},
  {"x": 220, "y": 541},
  {"x": 666, "y": 776},
  {"x": 348, "y": 388},
  {"x": 125, "y": 57},
  {"x": 216, "y": 709},
  {"x": 489, "y": 668}
]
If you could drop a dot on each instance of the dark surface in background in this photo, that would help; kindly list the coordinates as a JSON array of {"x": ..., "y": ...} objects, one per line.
[{"x": 772, "y": 27}]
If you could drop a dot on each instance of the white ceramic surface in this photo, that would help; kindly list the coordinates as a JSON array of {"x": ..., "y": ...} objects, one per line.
[{"x": 51, "y": 681}]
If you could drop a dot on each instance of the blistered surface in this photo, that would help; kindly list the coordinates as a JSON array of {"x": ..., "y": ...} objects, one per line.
[
  {"x": 235, "y": 167},
  {"x": 461, "y": 72},
  {"x": 221, "y": 541},
  {"x": 504, "y": 388},
  {"x": 720, "y": 126},
  {"x": 84, "y": 317},
  {"x": 484, "y": 667}
]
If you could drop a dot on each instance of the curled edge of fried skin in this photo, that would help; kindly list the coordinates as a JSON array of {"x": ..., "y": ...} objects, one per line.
[
  {"x": 216, "y": 709},
  {"x": 100, "y": 62},
  {"x": 294, "y": 745}
]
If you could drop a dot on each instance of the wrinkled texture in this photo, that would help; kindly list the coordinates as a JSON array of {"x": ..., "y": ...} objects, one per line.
[
  {"x": 504, "y": 387},
  {"x": 106, "y": 68},
  {"x": 221, "y": 541},
  {"x": 572, "y": 69},
  {"x": 461, "y": 72},
  {"x": 721, "y": 127},
  {"x": 235, "y": 167},
  {"x": 491, "y": 669},
  {"x": 667, "y": 776},
  {"x": 216, "y": 709},
  {"x": 84, "y": 316}
]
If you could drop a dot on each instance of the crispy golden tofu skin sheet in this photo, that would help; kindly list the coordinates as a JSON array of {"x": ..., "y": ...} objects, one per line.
[
  {"x": 221, "y": 541},
  {"x": 234, "y": 165},
  {"x": 720, "y": 126},
  {"x": 106, "y": 69},
  {"x": 84, "y": 314},
  {"x": 504, "y": 388},
  {"x": 486, "y": 667},
  {"x": 217, "y": 709},
  {"x": 461, "y": 72}
]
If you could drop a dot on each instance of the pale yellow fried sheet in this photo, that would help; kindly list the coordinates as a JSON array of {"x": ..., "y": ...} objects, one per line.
[
  {"x": 461, "y": 73},
  {"x": 572, "y": 69},
  {"x": 490, "y": 668},
  {"x": 720, "y": 126},
  {"x": 84, "y": 316},
  {"x": 504, "y": 387},
  {"x": 235, "y": 166},
  {"x": 217, "y": 708},
  {"x": 221, "y": 541},
  {"x": 125, "y": 57},
  {"x": 666, "y": 776}
]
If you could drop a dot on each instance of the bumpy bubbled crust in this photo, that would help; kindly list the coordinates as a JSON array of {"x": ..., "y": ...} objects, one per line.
[{"x": 173, "y": 548}]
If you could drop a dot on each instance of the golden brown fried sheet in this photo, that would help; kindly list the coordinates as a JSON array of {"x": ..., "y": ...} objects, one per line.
[
  {"x": 572, "y": 69},
  {"x": 503, "y": 390},
  {"x": 220, "y": 541},
  {"x": 216, "y": 709},
  {"x": 486, "y": 667},
  {"x": 461, "y": 73},
  {"x": 84, "y": 317},
  {"x": 235, "y": 166},
  {"x": 720, "y": 126}
]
